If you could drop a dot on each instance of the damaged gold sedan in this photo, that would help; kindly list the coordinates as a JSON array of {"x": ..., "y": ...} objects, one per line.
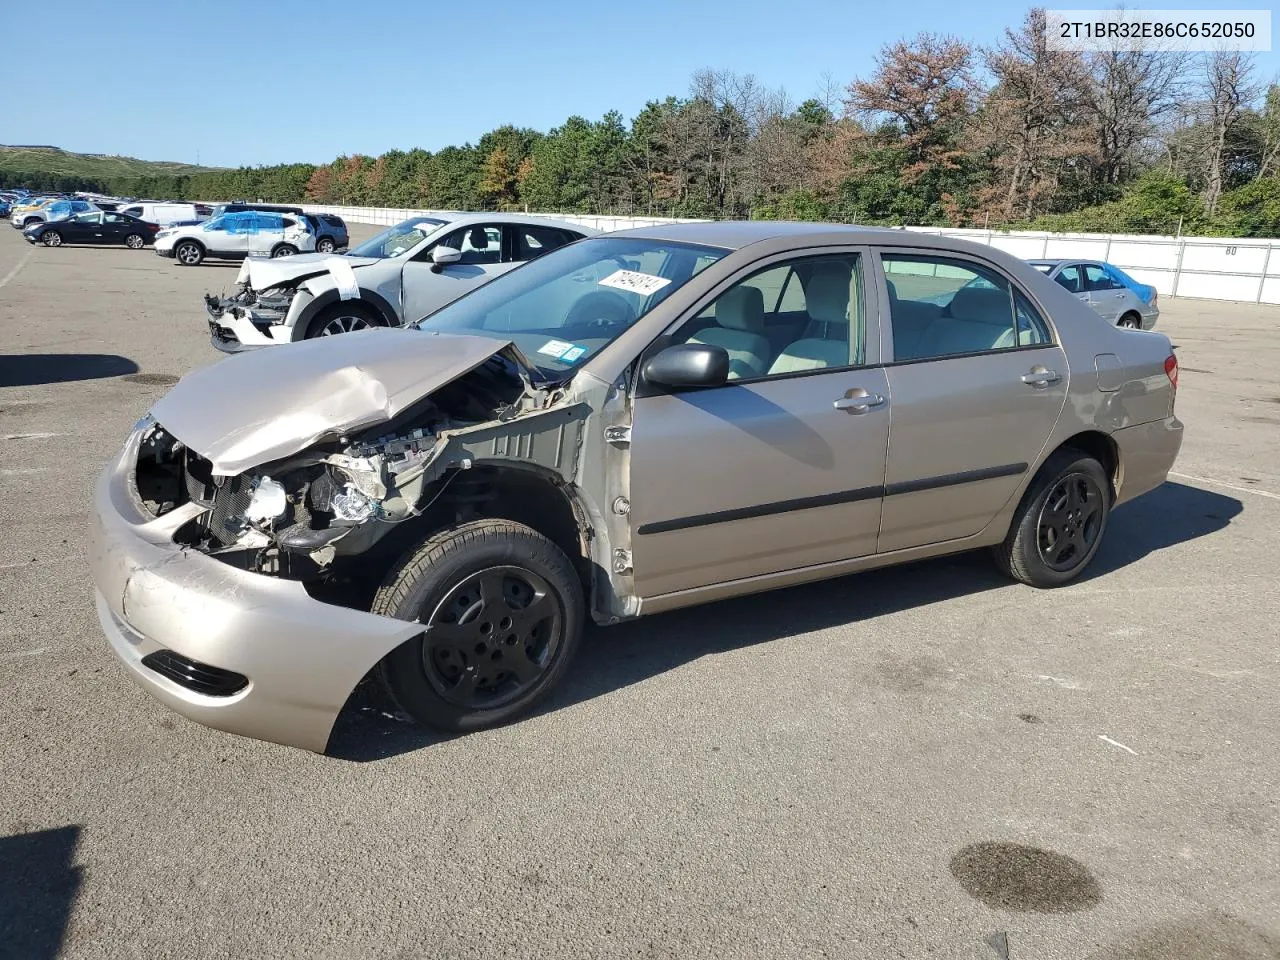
[{"x": 630, "y": 424}]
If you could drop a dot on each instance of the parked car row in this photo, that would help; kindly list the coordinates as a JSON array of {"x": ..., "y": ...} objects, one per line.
[
  {"x": 524, "y": 425},
  {"x": 189, "y": 233}
]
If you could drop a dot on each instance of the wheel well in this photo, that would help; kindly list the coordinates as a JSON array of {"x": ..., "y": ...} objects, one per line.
[
  {"x": 189, "y": 240},
  {"x": 487, "y": 491},
  {"x": 1102, "y": 448},
  {"x": 357, "y": 306}
]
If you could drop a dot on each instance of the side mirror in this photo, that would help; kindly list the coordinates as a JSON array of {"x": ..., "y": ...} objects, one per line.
[
  {"x": 688, "y": 365},
  {"x": 442, "y": 256}
]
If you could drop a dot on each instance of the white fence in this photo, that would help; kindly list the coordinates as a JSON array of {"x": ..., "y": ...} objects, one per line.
[{"x": 1209, "y": 268}]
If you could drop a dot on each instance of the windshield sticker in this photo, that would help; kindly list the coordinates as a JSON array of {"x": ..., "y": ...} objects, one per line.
[
  {"x": 635, "y": 282},
  {"x": 555, "y": 348},
  {"x": 572, "y": 354},
  {"x": 344, "y": 278}
]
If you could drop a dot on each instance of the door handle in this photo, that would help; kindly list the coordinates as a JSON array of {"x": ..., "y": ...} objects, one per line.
[
  {"x": 1041, "y": 378},
  {"x": 858, "y": 401}
]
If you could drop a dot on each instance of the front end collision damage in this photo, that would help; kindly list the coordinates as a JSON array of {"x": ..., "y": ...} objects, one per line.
[{"x": 308, "y": 504}]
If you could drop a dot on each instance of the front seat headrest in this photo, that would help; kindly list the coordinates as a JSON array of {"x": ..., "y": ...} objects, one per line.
[
  {"x": 741, "y": 308},
  {"x": 828, "y": 298},
  {"x": 478, "y": 238}
]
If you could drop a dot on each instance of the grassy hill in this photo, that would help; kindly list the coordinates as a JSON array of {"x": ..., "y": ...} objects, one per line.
[{"x": 90, "y": 166}]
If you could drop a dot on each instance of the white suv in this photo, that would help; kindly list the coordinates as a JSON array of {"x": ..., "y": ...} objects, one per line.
[{"x": 234, "y": 236}]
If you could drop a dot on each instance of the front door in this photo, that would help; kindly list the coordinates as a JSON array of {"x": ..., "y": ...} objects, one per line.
[
  {"x": 783, "y": 466},
  {"x": 973, "y": 406},
  {"x": 427, "y": 287}
]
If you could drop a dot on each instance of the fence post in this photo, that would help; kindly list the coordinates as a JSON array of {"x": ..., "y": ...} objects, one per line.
[
  {"x": 1177, "y": 269},
  {"x": 1266, "y": 265}
]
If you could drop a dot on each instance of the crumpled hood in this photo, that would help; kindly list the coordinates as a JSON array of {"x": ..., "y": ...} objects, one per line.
[
  {"x": 257, "y": 407},
  {"x": 262, "y": 273}
]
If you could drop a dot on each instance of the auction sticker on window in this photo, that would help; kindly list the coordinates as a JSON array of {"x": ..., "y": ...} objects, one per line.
[
  {"x": 635, "y": 282},
  {"x": 555, "y": 348}
]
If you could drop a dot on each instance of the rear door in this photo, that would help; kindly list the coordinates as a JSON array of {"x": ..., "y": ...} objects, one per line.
[
  {"x": 486, "y": 253},
  {"x": 1105, "y": 295},
  {"x": 114, "y": 228},
  {"x": 973, "y": 406}
]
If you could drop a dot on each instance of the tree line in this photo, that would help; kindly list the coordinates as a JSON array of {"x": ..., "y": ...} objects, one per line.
[{"x": 940, "y": 131}]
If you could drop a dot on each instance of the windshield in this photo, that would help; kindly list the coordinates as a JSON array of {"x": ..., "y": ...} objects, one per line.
[
  {"x": 564, "y": 307},
  {"x": 401, "y": 238}
]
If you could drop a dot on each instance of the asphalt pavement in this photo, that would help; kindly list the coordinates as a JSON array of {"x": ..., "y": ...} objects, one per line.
[{"x": 926, "y": 761}]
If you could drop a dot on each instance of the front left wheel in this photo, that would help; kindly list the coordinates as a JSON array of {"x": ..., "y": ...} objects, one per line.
[
  {"x": 284, "y": 250},
  {"x": 502, "y": 611},
  {"x": 51, "y": 238}
]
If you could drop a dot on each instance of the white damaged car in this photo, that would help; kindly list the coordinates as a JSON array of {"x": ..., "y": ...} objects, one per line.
[{"x": 396, "y": 278}]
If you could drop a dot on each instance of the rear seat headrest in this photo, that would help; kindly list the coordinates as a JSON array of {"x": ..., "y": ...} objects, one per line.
[{"x": 982, "y": 304}]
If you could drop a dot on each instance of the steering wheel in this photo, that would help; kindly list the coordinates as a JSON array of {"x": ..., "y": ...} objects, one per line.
[{"x": 601, "y": 310}]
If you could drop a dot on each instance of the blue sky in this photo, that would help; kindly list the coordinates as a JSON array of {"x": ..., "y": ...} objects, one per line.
[{"x": 236, "y": 82}]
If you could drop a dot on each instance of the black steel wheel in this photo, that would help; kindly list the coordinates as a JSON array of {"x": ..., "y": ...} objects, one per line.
[
  {"x": 1059, "y": 524},
  {"x": 492, "y": 636},
  {"x": 502, "y": 610},
  {"x": 1070, "y": 521}
]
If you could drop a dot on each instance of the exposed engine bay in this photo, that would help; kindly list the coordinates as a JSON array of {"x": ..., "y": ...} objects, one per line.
[{"x": 297, "y": 516}]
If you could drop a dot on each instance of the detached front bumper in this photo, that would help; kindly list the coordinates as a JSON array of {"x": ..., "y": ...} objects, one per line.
[
  {"x": 235, "y": 327},
  {"x": 300, "y": 658}
]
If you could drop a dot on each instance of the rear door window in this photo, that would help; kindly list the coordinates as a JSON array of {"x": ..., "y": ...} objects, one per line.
[
  {"x": 1069, "y": 278},
  {"x": 535, "y": 241}
]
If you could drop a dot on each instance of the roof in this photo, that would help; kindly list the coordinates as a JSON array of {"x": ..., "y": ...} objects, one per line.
[
  {"x": 736, "y": 234},
  {"x": 463, "y": 219}
]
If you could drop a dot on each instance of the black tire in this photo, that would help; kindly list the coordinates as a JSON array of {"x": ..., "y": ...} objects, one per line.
[
  {"x": 480, "y": 662},
  {"x": 325, "y": 245},
  {"x": 1057, "y": 529},
  {"x": 188, "y": 253},
  {"x": 1130, "y": 321},
  {"x": 51, "y": 238},
  {"x": 284, "y": 250},
  {"x": 343, "y": 317},
  {"x": 135, "y": 241}
]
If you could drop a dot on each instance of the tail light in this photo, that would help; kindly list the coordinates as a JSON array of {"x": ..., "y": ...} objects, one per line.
[{"x": 1171, "y": 370}]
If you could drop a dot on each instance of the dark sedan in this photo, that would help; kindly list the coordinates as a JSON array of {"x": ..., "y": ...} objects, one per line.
[{"x": 95, "y": 227}]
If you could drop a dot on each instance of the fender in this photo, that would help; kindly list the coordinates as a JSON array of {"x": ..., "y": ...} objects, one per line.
[{"x": 330, "y": 297}]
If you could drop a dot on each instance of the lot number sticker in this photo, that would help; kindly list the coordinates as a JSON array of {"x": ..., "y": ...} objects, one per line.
[
  {"x": 635, "y": 282},
  {"x": 555, "y": 348}
]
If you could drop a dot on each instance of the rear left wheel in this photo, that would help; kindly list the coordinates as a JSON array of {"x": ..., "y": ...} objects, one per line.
[
  {"x": 134, "y": 241},
  {"x": 502, "y": 610},
  {"x": 324, "y": 245},
  {"x": 1058, "y": 527},
  {"x": 1130, "y": 321}
]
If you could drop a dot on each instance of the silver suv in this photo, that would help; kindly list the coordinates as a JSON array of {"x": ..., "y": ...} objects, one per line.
[{"x": 397, "y": 277}]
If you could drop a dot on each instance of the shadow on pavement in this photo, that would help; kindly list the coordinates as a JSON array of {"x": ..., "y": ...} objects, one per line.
[
  {"x": 30, "y": 369},
  {"x": 38, "y": 887},
  {"x": 617, "y": 657}
]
